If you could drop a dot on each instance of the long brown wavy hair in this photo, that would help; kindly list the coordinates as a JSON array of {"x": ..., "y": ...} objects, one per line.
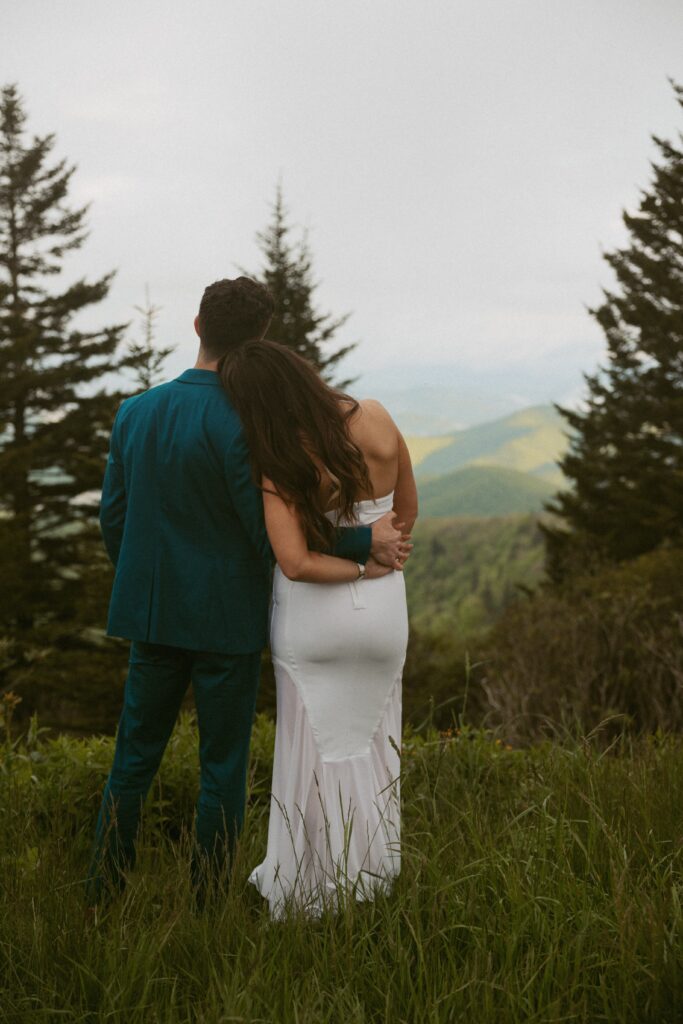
[{"x": 289, "y": 415}]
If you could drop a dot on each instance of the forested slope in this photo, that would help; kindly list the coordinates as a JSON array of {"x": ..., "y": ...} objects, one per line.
[
  {"x": 483, "y": 491},
  {"x": 465, "y": 570}
]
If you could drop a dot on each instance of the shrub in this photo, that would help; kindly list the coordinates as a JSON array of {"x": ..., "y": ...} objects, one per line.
[
  {"x": 439, "y": 678},
  {"x": 607, "y": 643}
]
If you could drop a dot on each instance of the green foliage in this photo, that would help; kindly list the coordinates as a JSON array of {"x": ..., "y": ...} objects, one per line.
[
  {"x": 75, "y": 685},
  {"x": 435, "y": 678},
  {"x": 54, "y": 420},
  {"x": 54, "y": 415},
  {"x": 483, "y": 491},
  {"x": 606, "y": 643},
  {"x": 288, "y": 273},
  {"x": 626, "y": 457},
  {"x": 464, "y": 571},
  {"x": 536, "y": 885}
]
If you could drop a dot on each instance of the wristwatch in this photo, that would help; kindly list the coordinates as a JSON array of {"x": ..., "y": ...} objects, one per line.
[{"x": 361, "y": 570}]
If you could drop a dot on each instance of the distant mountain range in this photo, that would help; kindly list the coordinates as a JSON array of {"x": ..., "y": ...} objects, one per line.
[
  {"x": 502, "y": 467},
  {"x": 427, "y": 399}
]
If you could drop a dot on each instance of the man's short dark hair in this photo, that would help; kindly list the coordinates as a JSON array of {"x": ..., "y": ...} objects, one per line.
[{"x": 231, "y": 312}]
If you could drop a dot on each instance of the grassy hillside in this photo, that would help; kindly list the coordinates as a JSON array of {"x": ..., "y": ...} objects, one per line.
[
  {"x": 421, "y": 447},
  {"x": 483, "y": 491},
  {"x": 464, "y": 571},
  {"x": 530, "y": 441}
]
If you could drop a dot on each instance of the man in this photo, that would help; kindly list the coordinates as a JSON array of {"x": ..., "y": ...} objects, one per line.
[{"x": 182, "y": 521}]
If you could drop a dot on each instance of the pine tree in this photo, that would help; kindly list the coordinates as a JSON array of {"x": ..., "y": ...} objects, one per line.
[
  {"x": 55, "y": 415},
  {"x": 288, "y": 274},
  {"x": 626, "y": 449},
  {"x": 143, "y": 357}
]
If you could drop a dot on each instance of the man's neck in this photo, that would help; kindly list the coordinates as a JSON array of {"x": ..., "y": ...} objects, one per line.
[{"x": 206, "y": 364}]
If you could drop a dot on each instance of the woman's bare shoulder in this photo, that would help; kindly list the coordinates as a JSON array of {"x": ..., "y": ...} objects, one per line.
[
  {"x": 373, "y": 428},
  {"x": 372, "y": 410}
]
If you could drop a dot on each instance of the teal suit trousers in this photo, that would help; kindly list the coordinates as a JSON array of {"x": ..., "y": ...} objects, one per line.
[{"x": 225, "y": 687}]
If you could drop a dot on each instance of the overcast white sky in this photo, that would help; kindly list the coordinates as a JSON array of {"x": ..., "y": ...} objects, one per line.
[{"x": 459, "y": 163}]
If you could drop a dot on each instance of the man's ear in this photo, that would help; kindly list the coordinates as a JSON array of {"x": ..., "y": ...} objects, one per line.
[{"x": 196, "y": 326}]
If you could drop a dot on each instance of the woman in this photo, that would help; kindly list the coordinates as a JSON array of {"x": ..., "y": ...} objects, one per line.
[{"x": 338, "y": 630}]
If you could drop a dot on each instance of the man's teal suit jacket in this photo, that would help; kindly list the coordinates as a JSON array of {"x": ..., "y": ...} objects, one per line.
[{"x": 183, "y": 523}]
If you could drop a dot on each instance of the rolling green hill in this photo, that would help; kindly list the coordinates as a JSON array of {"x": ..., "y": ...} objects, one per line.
[
  {"x": 529, "y": 441},
  {"x": 483, "y": 491},
  {"x": 464, "y": 571}
]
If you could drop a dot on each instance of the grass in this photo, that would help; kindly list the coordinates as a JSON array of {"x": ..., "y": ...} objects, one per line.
[{"x": 537, "y": 885}]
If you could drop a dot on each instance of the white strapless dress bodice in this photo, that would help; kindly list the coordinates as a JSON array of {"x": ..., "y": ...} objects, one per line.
[
  {"x": 366, "y": 511},
  {"x": 338, "y": 651}
]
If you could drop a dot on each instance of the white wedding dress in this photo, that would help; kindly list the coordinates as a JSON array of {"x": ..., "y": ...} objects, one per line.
[{"x": 338, "y": 650}]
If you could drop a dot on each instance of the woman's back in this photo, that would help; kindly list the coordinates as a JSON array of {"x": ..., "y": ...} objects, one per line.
[{"x": 375, "y": 434}]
